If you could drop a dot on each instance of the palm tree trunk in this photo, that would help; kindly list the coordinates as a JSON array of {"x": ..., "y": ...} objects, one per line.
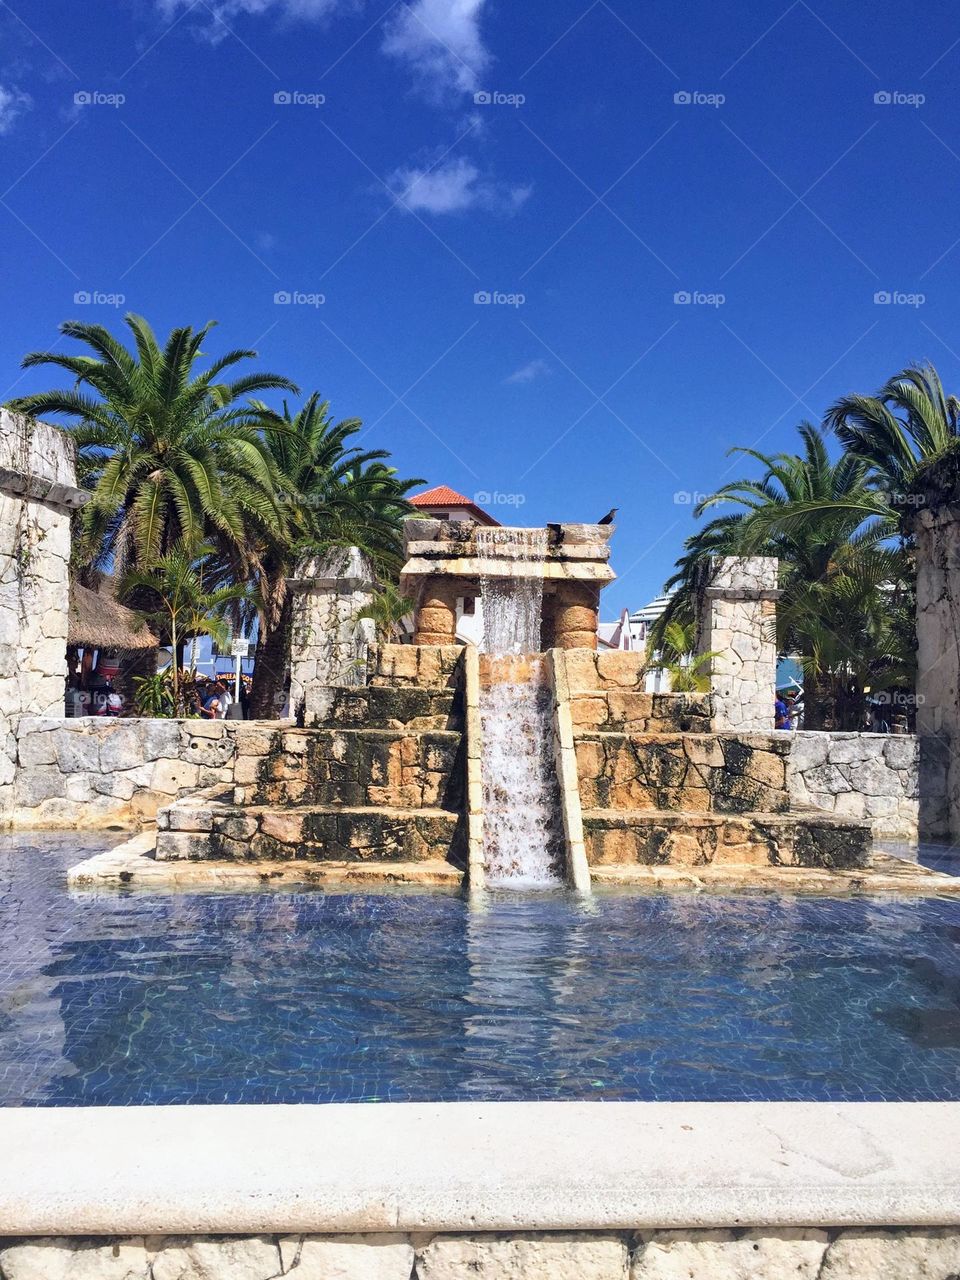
[{"x": 272, "y": 666}]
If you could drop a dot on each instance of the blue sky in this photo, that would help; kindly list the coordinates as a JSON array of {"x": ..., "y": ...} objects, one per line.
[{"x": 731, "y": 151}]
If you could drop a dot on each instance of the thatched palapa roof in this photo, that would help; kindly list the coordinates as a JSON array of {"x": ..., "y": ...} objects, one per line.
[{"x": 97, "y": 621}]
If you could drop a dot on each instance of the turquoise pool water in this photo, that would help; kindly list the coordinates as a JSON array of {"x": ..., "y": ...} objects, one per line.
[{"x": 130, "y": 998}]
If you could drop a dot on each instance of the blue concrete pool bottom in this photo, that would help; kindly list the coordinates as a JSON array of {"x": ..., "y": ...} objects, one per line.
[{"x": 419, "y": 996}]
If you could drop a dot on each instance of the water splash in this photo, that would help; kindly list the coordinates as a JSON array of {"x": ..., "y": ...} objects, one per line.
[
  {"x": 512, "y": 607},
  {"x": 522, "y": 832}
]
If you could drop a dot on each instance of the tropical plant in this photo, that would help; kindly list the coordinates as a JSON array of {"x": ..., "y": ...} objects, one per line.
[
  {"x": 674, "y": 653},
  {"x": 181, "y": 605},
  {"x": 154, "y": 696},
  {"x": 171, "y": 455},
  {"x": 846, "y": 588},
  {"x": 330, "y": 496},
  {"x": 387, "y": 610}
]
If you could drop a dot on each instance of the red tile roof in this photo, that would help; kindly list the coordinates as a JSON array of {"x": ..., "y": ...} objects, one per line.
[{"x": 443, "y": 496}]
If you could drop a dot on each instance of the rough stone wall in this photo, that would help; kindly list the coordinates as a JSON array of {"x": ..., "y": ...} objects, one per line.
[
  {"x": 420, "y": 666},
  {"x": 688, "y": 773},
  {"x": 607, "y": 694},
  {"x": 93, "y": 773},
  {"x": 859, "y": 775},
  {"x": 737, "y": 625},
  {"x": 799, "y": 1253},
  {"x": 329, "y": 643},
  {"x": 37, "y": 495},
  {"x": 938, "y": 660}
]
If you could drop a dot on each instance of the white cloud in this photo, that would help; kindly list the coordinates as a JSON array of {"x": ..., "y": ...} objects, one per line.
[
  {"x": 452, "y": 187},
  {"x": 529, "y": 372},
  {"x": 441, "y": 39},
  {"x": 223, "y": 12},
  {"x": 13, "y": 103}
]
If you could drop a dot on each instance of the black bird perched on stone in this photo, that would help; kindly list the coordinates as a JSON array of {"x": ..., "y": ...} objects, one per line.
[{"x": 608, "y": 518}]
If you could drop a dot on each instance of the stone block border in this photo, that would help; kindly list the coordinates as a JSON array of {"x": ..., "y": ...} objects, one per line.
[{"x": 805, "y": 1253}]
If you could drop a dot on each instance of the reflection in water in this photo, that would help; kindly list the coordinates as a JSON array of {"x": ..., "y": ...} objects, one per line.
[{"x": 133, "y": 998}]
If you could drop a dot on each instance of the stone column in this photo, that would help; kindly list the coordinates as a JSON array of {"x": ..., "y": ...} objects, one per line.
[
  {"x": 37, "y": 495},
  {"x": 574, "y": 615},
  {"x": 436, "y": 619},
  {"x": 738, "y": 625},
  {"x": 329, "y": 642},
  {"x": 937, "y": 535}
]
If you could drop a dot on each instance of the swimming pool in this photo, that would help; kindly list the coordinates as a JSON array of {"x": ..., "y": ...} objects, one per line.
[{"x": 416, "y": 996}]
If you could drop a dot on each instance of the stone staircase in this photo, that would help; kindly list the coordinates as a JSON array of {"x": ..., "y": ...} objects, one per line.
[
  {"x": 377, "y": 778},
  {"x": 658, "y": 788}
]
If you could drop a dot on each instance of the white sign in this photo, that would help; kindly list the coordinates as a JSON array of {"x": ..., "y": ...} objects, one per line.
[{"x": 240, "y": 649}]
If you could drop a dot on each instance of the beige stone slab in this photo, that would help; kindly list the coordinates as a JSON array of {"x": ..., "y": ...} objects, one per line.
[
  {"x": 136, "y": 869},
  {"x": 477, "y": 1167},
  {"x": 885, "y": 875},
  {"x": 132, "y": 865}
]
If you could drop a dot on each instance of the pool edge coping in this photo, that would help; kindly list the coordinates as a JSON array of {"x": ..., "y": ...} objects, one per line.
[{"x": 463, "y": 1166}]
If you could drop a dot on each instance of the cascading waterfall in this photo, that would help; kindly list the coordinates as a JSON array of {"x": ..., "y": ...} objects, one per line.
[
  {"x": 522, "y": 835},
  {"x": 512, "y": 607}
]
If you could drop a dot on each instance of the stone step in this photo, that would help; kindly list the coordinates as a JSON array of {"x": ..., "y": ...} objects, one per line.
[
  {"x": 693, "y": 772},
  {"x": 320, "y": 833},
  {"x": 379, "y": 707},
  {"x": 406, "y": 768},
  {"x": 615, "y": 837}
]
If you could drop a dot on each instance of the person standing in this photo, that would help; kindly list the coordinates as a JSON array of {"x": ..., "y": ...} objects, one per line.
[{"x": 782, "y": 710}]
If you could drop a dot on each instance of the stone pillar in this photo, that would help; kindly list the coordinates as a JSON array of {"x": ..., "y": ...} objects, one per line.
[
  {"x": 937, "y": 536},
  {"x": 436, "y": 619},
  {"x": 329, "y": 642},
  {"x": 738, "y": 625},
  {"x": 574, "y": 615},
  {"x": 37, "y": 495}
]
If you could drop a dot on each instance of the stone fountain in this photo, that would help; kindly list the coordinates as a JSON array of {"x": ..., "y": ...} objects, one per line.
[{"x": 398, "y": 777}]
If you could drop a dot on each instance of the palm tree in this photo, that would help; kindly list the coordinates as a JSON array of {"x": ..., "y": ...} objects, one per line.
[
  {"x": 171, "y": 455},
  {"x": 330, "y": 495},
  {"x": 180, "y": 604},
  {"x": 846, "y": 590},
  {"x": 909, "y": 422}
]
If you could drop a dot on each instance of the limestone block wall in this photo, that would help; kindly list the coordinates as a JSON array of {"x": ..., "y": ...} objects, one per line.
[
  {"x": 329, "y": 643},
  {"x": 800, "y": 1253},
  {"x": 872, "y": 776},
  {"x": 737, "y": 626},
  {"x": 91, "y": 773},
  {"x": 37, "y": 495}
]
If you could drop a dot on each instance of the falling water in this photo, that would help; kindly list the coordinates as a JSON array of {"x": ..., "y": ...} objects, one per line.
[
  {"x": 512, "y": 607},
  {"x": 522, "y": 835}
]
